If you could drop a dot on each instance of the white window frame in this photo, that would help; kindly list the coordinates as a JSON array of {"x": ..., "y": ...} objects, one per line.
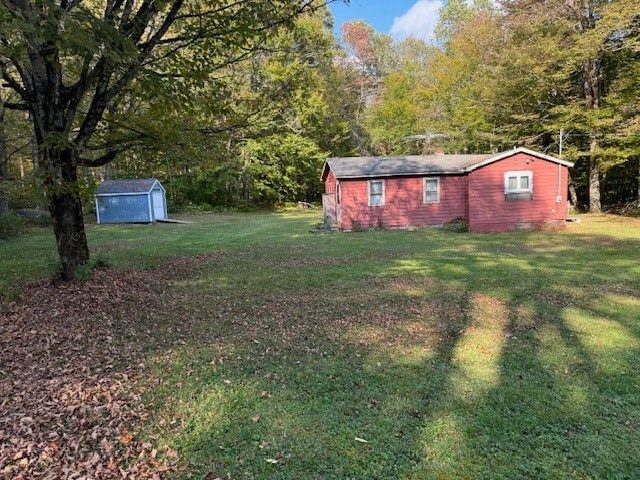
[
  {"x": 382, "y": 182},
  {"x": 519, "y": 176},
  {"x": 437, "y": 190}
]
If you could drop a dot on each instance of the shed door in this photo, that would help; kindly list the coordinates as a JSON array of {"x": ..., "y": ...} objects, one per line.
[
  {"x": 329, "y": 210},
  {"x": 158, "y": 204}
]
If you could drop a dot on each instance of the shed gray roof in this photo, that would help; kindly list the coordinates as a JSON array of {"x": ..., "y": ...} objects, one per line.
[
  {"x": 140, "y": 185},
  {"x": 363, "y": 167}
]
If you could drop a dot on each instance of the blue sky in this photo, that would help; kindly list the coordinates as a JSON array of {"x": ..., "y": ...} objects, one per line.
[{"x": 398, "y": 18}]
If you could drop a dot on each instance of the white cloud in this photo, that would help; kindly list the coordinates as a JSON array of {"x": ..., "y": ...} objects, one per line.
[{"x": 419, "y": 21}]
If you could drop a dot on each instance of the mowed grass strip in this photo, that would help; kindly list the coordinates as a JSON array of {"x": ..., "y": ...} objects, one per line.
[{"x": 385, "y": 354}]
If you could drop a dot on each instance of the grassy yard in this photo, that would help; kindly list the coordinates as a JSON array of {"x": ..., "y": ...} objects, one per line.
[{"x": 265, "y": 352}]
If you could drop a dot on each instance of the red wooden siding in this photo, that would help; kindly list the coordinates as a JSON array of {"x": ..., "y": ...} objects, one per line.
[
  {"x": 403, "y": 203},
  {"x": 490, "y": 211},
  {"x": 330, "y": 183}
]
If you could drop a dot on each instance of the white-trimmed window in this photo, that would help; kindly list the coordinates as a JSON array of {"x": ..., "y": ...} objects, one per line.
[
  {"x": 431, "y": 190},
  {"x": 376, "y": 192},
  {"x": 518, "y": 182}
]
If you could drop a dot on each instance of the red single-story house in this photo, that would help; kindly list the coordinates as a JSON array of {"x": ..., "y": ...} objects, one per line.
[{"x": 518, "y": 189}]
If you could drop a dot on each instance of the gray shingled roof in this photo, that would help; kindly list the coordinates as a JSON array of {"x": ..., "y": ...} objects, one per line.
[
  {"x": 358, "y": 167},
  {"x": 367, "y": 167},
  {"x": 141, "y": 185}
]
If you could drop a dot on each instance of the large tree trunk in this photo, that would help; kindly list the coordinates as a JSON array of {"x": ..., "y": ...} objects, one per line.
[
  {"x": 37, "y": 173},
  {"x": 594, "y": 177},
  {"x": 65, "y": 206},
  {"x": 4, "y": 167},
  {"x": 573, "y": 195},
  {"x": 57, "y": 158},
  {"x": 591, "y": 72}
]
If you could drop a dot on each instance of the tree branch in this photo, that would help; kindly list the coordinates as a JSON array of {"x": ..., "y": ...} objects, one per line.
[
  {"x": 12, "y": 82},
  {"x": 16, "y": 106},
  {"x": 100, "y": 161},
  {"x": 105, "y": 92}
]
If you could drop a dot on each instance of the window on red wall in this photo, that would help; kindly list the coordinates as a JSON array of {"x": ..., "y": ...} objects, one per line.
[
  {"x": 518, "y": 182},
  {"x": 376, "y": 192},
  {"x": 518, "y": 185},
  {"x": 431, "y": 190}
]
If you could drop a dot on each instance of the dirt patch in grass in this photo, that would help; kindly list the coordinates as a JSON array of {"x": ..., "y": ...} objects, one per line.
[
  {"x": 186, "y": 266},
  {"x": 315, "y": 262},
  {"x": 110, "y": 246}
]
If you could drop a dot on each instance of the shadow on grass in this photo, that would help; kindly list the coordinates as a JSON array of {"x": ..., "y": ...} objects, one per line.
[
  {"x": 566, "y": 404},
  {"x": 299, "y": 394},
  {"x": 492, "y": 357}
]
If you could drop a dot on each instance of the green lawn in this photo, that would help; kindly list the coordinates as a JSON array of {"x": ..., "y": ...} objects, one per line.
[{"x": 423, "y": 354}]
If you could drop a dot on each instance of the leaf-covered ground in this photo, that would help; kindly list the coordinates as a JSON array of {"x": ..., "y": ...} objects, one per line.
[{"x": 70, "y": 360}]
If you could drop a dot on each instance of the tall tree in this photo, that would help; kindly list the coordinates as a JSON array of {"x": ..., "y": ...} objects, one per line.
[
  {"x": 258, "y": 130},
  {"x": 455, "y": 14},
  {"x": 367, "y": 59},
  {"x": 393, "y": 115},
  {"x": 69, "y": 60},
  {"x": 626, "y": 99},
  {"x": 284, "y": 152},
  {"x": 14, "y": 139},
  {"x": 581, "y": 40},
  {"x": 456, "y": 91}
]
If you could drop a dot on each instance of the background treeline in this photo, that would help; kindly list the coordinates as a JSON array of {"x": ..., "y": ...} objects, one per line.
[{"x": 562, "y": 77}]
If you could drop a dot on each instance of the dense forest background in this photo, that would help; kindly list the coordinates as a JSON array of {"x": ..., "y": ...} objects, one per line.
[{"x": 558, "y": 76}]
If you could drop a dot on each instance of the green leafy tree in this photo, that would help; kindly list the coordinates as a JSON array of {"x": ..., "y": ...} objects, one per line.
[
  {"x": 455, "y": 14},
  {"x": 16, "y": 170},
  {"x": 282, "y": 168},
  {"x": 70, "y": 61},
  {"x": 624, "y": 98},
  {"x": 393, "y": 116},
  {"x": 456, "y": 93},
  {"x": 368, "y": 57},
  {"x": 573, "y": 49},
  {"x": 241, "y": 118},
  {"x": 300, "y": 123}
]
